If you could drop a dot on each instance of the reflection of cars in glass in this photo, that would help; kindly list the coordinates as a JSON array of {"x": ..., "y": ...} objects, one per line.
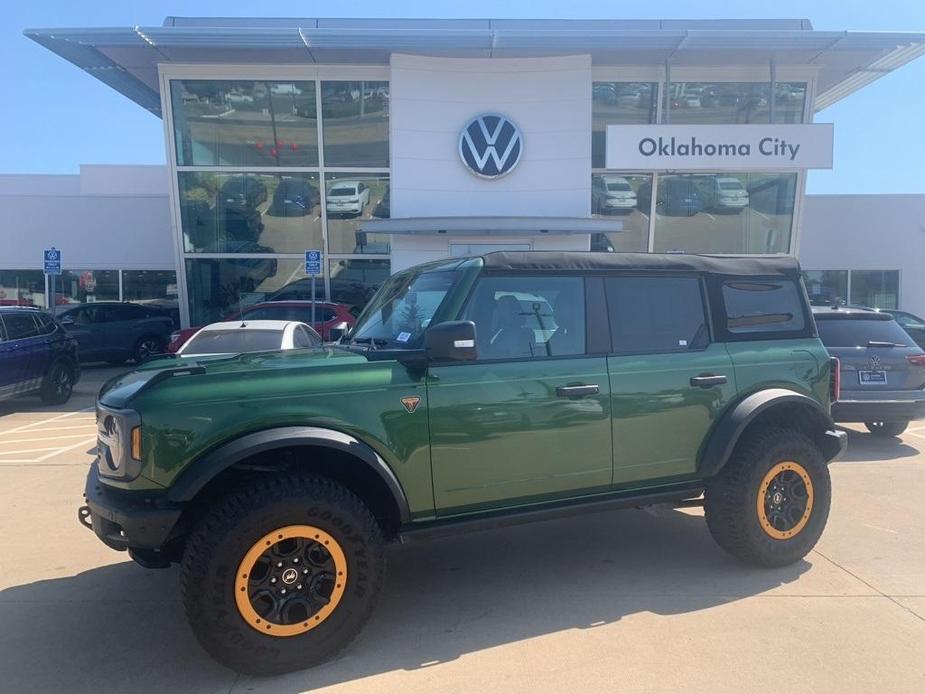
[
  {"x": 327, "y": 316},
  {"x": 618, "y": 195},
  {"x": 383, "y": 207},
  {"x": 601, "y": 243},
  {"x": 237, "y": 207},
  {"x": 676, "y": 197},
  {"x": 237, "y": 337},
  {"x": 604, "y": 92},
  {"x": 115, "y": 331},
  {"x": 347, "y": 198},
  {"x": 36, "y": 355},
  {"x": 293, "y": 197},
  {"x": 882, "y": 369},
  {"x": 241, "y": 274},
  {"x": 728, "y": 193}
]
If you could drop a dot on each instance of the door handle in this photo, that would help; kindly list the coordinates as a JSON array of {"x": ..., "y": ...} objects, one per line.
[
  {"x": 577, "y": 391},
  {"x": 707, "y": 381}
]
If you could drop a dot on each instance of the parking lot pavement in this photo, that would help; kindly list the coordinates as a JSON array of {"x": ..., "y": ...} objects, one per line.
[{"x": 628, "y": 601}]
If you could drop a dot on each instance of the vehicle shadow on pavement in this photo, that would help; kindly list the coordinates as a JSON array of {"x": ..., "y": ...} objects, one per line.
[
  {"x": 867, "y": 448},
  {"x": 119, "y": 626}
]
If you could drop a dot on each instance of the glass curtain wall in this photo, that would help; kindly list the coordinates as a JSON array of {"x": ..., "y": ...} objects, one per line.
[
  {"x": 871, "y": 288},
  {"x": 702, "y": 212},
  {"x": 269, "y": 169}
]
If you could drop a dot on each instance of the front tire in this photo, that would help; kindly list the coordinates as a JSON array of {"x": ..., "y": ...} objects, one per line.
[
  {"x": 769, "y": 504},
  {"x": 280, "y": 576},
  {"x": 886, "y": 429},
  {"x": 58, "y": 384}
]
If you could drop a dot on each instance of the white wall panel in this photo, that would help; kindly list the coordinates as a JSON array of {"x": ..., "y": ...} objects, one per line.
[{"x": 868, "y": 232}]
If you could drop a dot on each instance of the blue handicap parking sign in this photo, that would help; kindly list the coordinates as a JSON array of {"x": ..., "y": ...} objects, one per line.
[
  {"x": 312, "y": 262},
  {"x": 52, "y": 261}
]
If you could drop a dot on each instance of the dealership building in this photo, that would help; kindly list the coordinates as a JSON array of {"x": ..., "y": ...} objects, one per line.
[{"x": 384, "y": 143}]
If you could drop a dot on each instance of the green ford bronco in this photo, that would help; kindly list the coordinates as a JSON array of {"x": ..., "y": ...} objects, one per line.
[{"x": 471, "y": 393}]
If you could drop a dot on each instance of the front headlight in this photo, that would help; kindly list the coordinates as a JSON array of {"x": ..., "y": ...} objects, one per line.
[{"x": 118, "y": 443}]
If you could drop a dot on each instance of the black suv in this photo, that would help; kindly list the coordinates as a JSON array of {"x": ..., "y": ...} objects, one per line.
[
  {"x": 882, "y": 369},
  {"x": 115, "y": 331},
  {"x": 36, "y": 355}
]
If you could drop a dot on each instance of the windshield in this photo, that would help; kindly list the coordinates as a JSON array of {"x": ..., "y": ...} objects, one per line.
[
  {"x": 730, "y": 185},
  {"x": 858, "y": 332},
  {"x": 403, "y": 308},
  {"x": 619, "y": 186},
  {"x": 234, "y": 341}
]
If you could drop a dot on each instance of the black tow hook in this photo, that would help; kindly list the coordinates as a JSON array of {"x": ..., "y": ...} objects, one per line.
[{"x": 83, "y": 515}]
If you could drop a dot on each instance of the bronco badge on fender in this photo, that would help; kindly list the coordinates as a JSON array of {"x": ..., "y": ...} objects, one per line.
[{"x": 411, "y": 403}]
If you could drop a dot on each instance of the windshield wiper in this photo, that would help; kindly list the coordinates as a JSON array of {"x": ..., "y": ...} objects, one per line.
[{"x": 878, "y": 343}]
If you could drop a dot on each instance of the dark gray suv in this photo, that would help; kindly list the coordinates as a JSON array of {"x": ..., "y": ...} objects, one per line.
[{"x": 882, "y": 369}]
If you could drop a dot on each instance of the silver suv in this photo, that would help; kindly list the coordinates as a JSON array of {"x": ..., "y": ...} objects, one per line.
[{"x": 882, "y": 369}]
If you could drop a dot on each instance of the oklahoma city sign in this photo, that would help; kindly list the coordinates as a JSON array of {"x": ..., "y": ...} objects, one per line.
[{"x": 756, "y": 146}]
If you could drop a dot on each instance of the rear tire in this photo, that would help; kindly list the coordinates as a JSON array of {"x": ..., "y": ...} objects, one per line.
[
  {"x": 235, "y": 547},
  {"x": 769, "y": 504},
  {"x": 57, "y": 384},
  {"x": 145, "y": 348},
  {"x": 886, "y": 428}
]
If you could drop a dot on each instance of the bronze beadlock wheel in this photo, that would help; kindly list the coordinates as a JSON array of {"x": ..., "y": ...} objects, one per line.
[
  {"x": 291, "y": 580},
  {"x": 785, "y": 500}
]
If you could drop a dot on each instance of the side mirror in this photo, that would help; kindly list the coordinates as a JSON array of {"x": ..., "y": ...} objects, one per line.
[
  {"x": 451, "y": 341},
  {"x": 337, "y": 332}
]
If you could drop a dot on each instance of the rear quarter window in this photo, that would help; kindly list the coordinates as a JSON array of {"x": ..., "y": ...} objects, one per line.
[{"x": 756, "y": 308}]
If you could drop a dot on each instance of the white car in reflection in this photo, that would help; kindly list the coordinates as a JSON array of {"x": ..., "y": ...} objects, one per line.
[
  {"x": 347, "y": 198},
  {"x": 729, "y": 193},
  {"x": 235, "y": 337},
  {"x": 619, "y": 194}
]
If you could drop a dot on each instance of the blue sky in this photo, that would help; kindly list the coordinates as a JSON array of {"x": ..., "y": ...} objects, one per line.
[{"x": 56, "y": 117}]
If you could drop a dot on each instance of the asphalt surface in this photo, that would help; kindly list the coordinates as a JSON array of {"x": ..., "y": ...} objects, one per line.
[{"x": 619, "y": 601}]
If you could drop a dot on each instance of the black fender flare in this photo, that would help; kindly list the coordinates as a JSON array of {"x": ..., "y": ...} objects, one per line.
[
  {"x": 199, "y": 473},
  {"x": 729, "y": 429}
]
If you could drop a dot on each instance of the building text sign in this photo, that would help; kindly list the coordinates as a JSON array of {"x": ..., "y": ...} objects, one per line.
[{"x": 719, "y": 147}]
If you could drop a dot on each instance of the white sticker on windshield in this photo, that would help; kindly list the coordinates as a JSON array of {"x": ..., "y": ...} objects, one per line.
[
  {"x": 682, "y": 343},
  {"x": 403, "y": 337}
]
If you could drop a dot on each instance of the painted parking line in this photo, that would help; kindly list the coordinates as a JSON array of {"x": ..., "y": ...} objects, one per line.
[
  {"x": 49, "y": 420},
  {"x": 42, "y": 438}
]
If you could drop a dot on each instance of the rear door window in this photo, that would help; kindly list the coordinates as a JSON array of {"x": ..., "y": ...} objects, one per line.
[
  {"x": 772, "y": 307},
  {"x": 656, "y": 314},
  {"x": 20, "y": 326}
]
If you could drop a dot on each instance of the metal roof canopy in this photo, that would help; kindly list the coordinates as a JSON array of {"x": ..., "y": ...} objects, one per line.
[
  {"x": 490, "y": 226},
  {"x": 127, "y": 58}
]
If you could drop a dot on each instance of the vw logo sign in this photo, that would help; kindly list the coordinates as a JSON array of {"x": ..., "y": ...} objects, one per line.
[{"x": 490, "y": 145}]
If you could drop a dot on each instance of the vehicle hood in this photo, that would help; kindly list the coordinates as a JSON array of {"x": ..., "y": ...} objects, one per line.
[{"x": 119, "y": 391}]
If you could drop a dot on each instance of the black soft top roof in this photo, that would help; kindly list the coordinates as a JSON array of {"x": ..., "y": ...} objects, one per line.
[{"x": 782, "y": 265}]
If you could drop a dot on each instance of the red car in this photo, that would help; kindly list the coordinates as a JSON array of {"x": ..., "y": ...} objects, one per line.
[{"x": 327, "y": 316}]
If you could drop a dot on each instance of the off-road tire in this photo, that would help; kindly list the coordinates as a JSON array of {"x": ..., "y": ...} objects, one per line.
[
  {"x": 730, "y": 498},
  {"x": 886, "y": 429},
  {"x": 223, "y": 537},
  {"x": 57, "y": 384}
]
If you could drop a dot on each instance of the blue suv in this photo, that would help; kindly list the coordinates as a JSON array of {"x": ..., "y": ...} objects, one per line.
[{"x": 36, "y": 355}]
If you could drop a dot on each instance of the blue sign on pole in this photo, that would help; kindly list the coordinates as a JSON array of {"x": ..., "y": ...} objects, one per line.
[
  {"x": 52, "y": 261},
  {"x": 312, "y": 263}
]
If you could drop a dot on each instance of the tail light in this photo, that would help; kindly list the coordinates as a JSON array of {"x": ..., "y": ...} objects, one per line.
[
  {"x": 916, "y": 359},
  {"x": 835, "y": 379}
]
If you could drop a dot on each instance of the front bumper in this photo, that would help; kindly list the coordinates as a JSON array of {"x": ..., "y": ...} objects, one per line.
[
  {"x": 887, "y": 409},
  {"x": 126, "y": 520}
]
